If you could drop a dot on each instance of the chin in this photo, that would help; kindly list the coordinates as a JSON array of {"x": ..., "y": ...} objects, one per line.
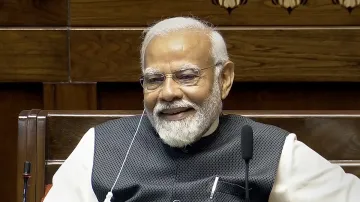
[
  {"x": 177, "y": 142},
  {"x": 180, "y": 133}
]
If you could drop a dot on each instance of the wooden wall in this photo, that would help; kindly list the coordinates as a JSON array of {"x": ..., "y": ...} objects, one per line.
[{"x": 83, "y": 54}]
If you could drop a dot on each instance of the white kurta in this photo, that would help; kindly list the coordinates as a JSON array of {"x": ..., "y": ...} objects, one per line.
[{"x": 302, "y": 176}]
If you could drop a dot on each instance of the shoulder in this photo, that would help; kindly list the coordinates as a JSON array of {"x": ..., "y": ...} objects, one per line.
[
  {"x": 121, "y": 127},
  {"x": 120, "y": 123},
  {"x": 258, "y": 127}
]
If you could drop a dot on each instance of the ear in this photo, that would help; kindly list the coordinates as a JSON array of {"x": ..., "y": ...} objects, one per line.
[{"x": 227, "y": 79}]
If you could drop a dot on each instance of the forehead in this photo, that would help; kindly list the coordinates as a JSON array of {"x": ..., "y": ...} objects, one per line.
[{"x": 176, "y": 49}]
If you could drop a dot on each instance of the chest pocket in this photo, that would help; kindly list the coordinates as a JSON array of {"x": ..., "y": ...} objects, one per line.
[{"x": 227, "y": 191}]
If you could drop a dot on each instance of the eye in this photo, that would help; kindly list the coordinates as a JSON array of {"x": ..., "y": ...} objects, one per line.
[
  {"x": 187, "y": 75},
  {"x": 150, "y": 79}
]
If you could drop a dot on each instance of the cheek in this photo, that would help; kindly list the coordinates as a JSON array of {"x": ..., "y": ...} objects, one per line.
[
  {"x": 150, "y": 100},
  {"x": 197, "y": 94}
]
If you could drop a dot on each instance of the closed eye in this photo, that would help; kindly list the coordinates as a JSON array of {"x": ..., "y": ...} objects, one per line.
[{"x": 186, "y": 76}]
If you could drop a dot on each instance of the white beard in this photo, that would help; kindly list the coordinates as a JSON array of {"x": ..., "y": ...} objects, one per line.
[{"x": 190, "y": 129}]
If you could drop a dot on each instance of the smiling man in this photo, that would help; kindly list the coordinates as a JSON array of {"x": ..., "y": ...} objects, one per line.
[
  {"x": 184, "y": 149},
  {"x": 183, "y": 107}
]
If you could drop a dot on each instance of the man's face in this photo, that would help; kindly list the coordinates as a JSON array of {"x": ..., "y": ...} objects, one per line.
[{"x": 181, "y": 113}]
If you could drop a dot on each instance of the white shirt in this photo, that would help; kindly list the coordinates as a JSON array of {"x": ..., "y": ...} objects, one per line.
[{"x": 302, "y": 176}]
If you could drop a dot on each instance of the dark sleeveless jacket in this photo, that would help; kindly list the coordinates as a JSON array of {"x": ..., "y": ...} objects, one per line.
[{"x": 157, "y": 172}]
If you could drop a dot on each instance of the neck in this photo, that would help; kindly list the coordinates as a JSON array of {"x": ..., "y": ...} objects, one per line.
[{"x": 212, "y": 128}]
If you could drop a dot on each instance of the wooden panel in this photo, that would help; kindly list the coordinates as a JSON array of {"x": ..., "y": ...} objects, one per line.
[
  {"x": 255, "y": 12},
  {"x": 352, "y": 169},
  {"x": 62, "y": 135},
  {"x": 294, "y": 96},
  {"x": 21, "y": 151},
  {"x": 41, "y": 150},
  {"x": 67, "y": 96},
  {"x": 250, "y": 96},
  {"x": 13, "y": 99},
  {"x": 120, "y": 96},
  {"x": 32, "y": 153},
  {"x": 33, "y": 12},
  {"x": 50, "y": 169},
  {"x": 295, "y": 55},
  {"x": 332, "y": 137},
  {"x": 318, "y": 129},
  {"x": 33, "y": 55},
  {"x": 105, "y": 55},
  {"x": 260, "y": 54}
]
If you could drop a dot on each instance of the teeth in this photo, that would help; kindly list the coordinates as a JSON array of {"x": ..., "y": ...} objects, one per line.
[{"x": 174, "y": 111}]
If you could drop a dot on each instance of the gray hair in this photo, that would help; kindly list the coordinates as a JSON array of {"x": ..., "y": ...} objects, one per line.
[{"x": 218, "y": 49}]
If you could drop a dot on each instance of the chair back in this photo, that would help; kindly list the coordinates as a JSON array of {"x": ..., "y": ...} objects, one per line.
[{"x": 46, "y": 138}]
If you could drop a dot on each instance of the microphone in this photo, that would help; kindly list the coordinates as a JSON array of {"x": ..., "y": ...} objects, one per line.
[
  {"x": 26, "y": 176},
  {"x": 247, "y": 140}
]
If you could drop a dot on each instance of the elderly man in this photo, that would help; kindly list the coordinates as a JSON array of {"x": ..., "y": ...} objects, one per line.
[{"x": 185, "y": 149}]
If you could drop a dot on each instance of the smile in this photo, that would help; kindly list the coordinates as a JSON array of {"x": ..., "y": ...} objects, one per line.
[{"x": 176, "y": 113}]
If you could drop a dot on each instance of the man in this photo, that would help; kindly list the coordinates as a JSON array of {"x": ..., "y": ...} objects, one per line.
[{"x": 184, "y": 149}]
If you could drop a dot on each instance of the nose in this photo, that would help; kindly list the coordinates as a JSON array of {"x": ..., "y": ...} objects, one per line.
[{"x": 170, "y": 91}]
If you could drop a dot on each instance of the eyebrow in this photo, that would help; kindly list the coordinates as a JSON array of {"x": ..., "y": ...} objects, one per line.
[
  {"x": 153, "y": 70},
  {"x": 188, "y": 66}
]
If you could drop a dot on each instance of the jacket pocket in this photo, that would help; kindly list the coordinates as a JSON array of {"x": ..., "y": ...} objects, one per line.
[{"x": 227, "y": 191}]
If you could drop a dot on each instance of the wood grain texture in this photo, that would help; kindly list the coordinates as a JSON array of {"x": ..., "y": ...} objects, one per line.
[
  {"x": 13, "y": 99},
  {"x": 71, "y": 129},
  {"x": 295, "y": 55},
  {"x": 33, "y": 12},
  {"x": 67, "y": 96},
  {"x": 120, "y": 96},
  {"x": 41, "y": 153},
  {"x": 33, "y": 55},
  {"x": 333, "y": 138},
  {"x": 250, "y": 96},
  {"x": 293, "y": 96},
  {"x": 32, "y": 154},
  {"x": 105, "y": 55},
  {"x": 259, "y": 54},
  {"x": 21, "y": 151},
  {"x": 334, "y": 135},
  {"x": 255, "y": 12}
]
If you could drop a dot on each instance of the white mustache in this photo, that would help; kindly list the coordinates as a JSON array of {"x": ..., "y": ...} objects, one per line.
[{"x": 160, "y": 106}]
